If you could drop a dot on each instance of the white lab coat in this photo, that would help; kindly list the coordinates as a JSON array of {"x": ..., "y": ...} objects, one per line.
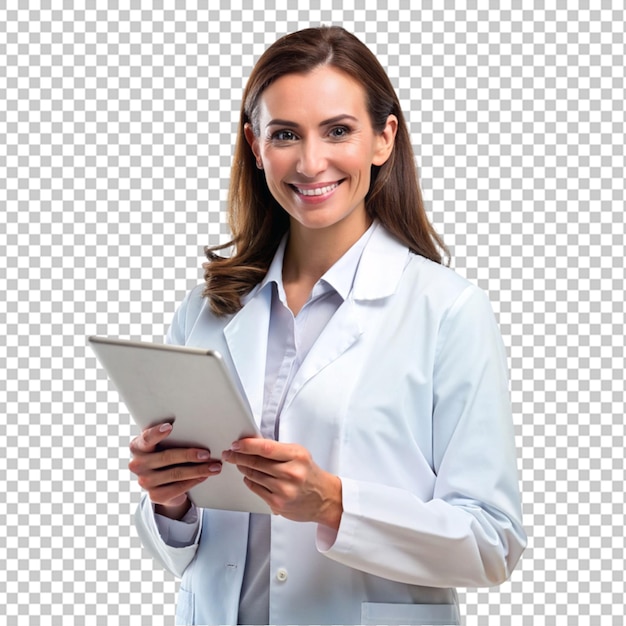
[{"x": 405, "y": 397}]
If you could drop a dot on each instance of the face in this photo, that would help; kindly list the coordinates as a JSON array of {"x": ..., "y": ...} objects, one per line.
[{"x": 316, "y": 146}]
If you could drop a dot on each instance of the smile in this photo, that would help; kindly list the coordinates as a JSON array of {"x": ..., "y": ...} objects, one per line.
[{"x": 317, "y": 191}]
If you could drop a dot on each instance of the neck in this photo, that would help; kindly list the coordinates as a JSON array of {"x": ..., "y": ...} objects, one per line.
[{"x": 311, "y": 253}]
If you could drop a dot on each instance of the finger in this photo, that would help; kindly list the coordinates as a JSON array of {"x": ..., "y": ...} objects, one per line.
[
  {"x": 286, "y": 479},
  {"x": 257, "y": 488},
  {"x": 178, "y": 474},
  {"x": 266, "y": 448},
  {"x": 269, "y": 482},
  {"x": 170, "y": 457},
  {"x": 149, "y": 438},
  {"x": 251, "y": 463},
  {"x": 166, "y": 493},
  {"x": 265, "y": 494}
]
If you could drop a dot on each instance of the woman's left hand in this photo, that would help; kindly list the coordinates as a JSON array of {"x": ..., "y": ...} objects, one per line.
[{"x": 287, "y": 478}]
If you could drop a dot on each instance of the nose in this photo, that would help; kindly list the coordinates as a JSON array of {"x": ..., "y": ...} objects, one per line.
[{"x": 312, "y": 159}]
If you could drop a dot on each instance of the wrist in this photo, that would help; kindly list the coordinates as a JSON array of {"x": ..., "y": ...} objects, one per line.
[
  {"x": 331, "y": 512},
  {"x": 173, "y": 511}
]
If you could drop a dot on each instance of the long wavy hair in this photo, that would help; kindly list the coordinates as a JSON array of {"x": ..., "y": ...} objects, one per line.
[{"x": 258, "y": 222}]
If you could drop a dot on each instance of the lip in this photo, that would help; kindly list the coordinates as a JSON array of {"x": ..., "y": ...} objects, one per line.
[{"x": 315, "y": 192}]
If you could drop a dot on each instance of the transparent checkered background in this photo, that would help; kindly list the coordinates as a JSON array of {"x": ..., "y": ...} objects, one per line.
[{"x": 116, "y": 133}]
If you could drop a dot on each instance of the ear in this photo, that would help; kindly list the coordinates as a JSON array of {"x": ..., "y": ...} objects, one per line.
[
  {"x": 253, "y": 141},
  {"x": 385, "y": 141}
]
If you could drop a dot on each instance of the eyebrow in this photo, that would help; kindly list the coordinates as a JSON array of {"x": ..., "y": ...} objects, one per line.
[{"x": 328, "y": 122}]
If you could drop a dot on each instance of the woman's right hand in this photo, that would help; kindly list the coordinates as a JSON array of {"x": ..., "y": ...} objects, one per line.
[{"x": 168, "y": 474}]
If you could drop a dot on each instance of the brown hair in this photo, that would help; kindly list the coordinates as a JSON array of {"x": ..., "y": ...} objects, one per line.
[{"x": 258, "y": 222}]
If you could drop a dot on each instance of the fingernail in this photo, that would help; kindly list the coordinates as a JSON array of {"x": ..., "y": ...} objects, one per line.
[
  {"x": 235, "y": 446},
  {"x": 203, "y": 455},
  {"x": 215, "y": 468},
  {"x": 165, "y": 427}
]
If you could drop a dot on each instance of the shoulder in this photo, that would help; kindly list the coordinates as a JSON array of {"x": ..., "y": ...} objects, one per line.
[
  {"x": 439, "y": 284},
  {"x": 435, "y": 277},
  {"x": 194, "y": 301},
  {"x": 457, "y": 307},
  {"x": 438, "y": 295},
  {"x": 194, "y": 307}
]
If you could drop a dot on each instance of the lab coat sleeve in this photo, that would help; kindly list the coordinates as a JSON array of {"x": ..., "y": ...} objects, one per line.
[
  {"x": 174, "y": 558},
  {"x": 469, "y": 534}
]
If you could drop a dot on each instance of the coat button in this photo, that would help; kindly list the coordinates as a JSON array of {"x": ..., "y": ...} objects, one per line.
[{"x": 281, "y": 574}]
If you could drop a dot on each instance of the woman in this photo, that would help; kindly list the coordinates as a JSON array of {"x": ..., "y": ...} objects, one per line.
[{"x": 377, "y": 375}]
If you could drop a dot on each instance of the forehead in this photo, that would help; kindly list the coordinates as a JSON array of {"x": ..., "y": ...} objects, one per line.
[{"x": 323, "y": 93}]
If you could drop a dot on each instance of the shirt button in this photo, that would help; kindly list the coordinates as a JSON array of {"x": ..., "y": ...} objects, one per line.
[{"x": 281, "y": 574}]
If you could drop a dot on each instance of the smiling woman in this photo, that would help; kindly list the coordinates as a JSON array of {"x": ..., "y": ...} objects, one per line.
[{"x": 377, "y": 375}]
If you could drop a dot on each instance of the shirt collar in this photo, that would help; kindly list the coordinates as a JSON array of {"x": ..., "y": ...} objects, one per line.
[
  {"x": 339, "y": 276},
  {"x": 275, "y": 271}
]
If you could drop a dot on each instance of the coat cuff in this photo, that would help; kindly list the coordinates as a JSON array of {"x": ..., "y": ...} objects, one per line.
[
  {"x": 174, "y": 559},
  {"x": 179, "y": 533}
]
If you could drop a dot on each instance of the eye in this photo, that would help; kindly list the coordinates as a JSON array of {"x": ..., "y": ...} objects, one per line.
[
  {"x": 283, "y": 135},
  {"x": 339, "y": 132}
]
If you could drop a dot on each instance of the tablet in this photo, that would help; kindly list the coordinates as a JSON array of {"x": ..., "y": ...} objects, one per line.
[{"x": 192, "y": 389}]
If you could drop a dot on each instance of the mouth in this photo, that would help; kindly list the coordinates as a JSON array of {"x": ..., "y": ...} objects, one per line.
[{"x": 316, "y": 190}]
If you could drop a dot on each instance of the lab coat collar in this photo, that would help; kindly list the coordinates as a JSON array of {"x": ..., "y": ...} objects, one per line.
[{"x": 381, "y": 266}]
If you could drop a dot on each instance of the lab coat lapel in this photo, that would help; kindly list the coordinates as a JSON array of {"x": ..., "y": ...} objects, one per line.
[
  {"x": 246, "y": 337},
  {"x": 341, "y": 332},
  {"x": 377, "y": 277}
]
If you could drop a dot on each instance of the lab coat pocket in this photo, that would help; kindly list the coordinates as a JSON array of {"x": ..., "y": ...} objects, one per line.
[
  {"x": 184, "y": 607},
  {"x": 409, "y": 614}
]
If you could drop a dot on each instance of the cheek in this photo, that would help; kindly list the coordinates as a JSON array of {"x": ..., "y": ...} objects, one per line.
[
  {"x": 357, "y": 160},
  {"x": 276, "y": 167}
]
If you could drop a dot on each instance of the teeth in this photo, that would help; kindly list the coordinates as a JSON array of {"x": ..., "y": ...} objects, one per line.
[{"x": 317, "y": 192}]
